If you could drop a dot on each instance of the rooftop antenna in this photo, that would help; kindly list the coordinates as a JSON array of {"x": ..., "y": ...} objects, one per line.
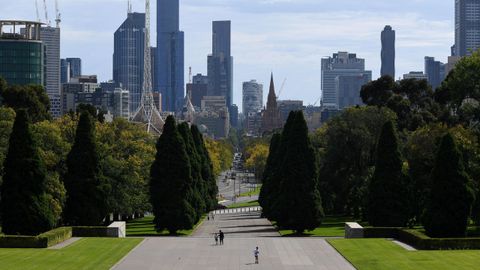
[
  {"x": 46, "y": 12},
  {"x": 36, "y": 9},
  {"x": 190, "y": 75},
  {"x": 57, "y": 11}
]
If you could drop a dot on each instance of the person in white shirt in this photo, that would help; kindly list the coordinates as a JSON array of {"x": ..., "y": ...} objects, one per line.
[{"x": 256, "y": 252}]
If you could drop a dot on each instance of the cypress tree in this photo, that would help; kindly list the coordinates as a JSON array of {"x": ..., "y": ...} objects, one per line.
[
  {"x": 86, "y": 188},
  {"x": 269, "y": 186},
  {"x": 196, "y": 198},
  {"x": 388, "y": 200},
  {"x": 25, "y": 203},
  {"x": 210, "y": 183},
  {"x": 298, "y": 202},
  {"x": 170, "y": 182},
  {"x": 451, "y": 197}
]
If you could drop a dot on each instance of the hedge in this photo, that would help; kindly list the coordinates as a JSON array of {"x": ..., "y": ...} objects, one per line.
[
  {"x": 91, "y": 231},
  {"x": 44, "y": 240},
  {"x": 57, "y": 235}
]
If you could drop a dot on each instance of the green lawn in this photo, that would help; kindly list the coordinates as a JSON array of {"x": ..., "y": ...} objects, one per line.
[
  {"x": 382, "y": 254},
  {"x": 253, "y": 192},
  {"x": 331, "y": 227},
  {"x": 86, "y": 253},
  {"x": 244, "y": 204},
  {"x": 144, "y": 227}
]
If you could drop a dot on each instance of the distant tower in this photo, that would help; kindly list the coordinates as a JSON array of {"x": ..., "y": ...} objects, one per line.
[
  {"x": 148, "y": 113},
  {"x": 271, "y": 119},
  {"x": 388, "y": 52},
  {"x": 467, "y": 27}
]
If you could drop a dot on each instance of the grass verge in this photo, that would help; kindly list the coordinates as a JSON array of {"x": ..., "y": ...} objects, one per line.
[
  {"x": 331, "y": 227},
  {"x": 86, "y": 253},
  {"x": 253, "y": 192},
  {"x": 372, "y": 254},
  {"x": 244, "y": 204},
  {"x": 145, "y": 227}
]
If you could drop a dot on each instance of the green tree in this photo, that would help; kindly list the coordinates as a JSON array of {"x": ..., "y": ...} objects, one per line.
[
  {"x": 451, "y": 197},
  {"x": 170, "y": 182},
  {"x": 299, "y": 203},
  {"x": 25, "y": 203},
  {"x": 388, "y": 203},
  {"x": 377, "y": 93},
  {"x": 270, "y": 178},
  {"x": 86, "y": 188},
  {"x": 256, "y": 158},
  {"x": 32, "y": 98}
]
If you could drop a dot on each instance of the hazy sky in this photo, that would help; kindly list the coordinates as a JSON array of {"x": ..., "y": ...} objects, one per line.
[{"x": 288, "y": 37}]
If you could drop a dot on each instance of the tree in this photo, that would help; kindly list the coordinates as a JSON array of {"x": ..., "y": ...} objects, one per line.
[
  {"x": 377, "y": 93},
  {"x": 451, "y": 197},
  {"x": 388, "y": 203},
  {"x": 269, "y": 186},
  {"x": 299, "y": 202},
  {"x": 256, "y": 158},
  {"x": 86, "y": 188},
  {"x": 32, "y": 98},
  {"x": 25, "y": 203},
  {"x": 170, "y": 182}
]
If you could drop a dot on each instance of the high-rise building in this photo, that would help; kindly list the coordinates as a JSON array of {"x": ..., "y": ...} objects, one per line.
[
  {"x": 197, "y": 89},
  {"x": 271, "y": 119},
  {"x": 435, "y": 71},
  {"x": 252, "y": 97},
  {"x": 388, "y": 52},
  {"x": 417, "y": 75},
  {"x": 287, "y": 106},
  {"x": 75, "y": 67},
  {"x": 467, "y": 26},
  {"x": 128, "y": 56},
  {"x": 21, "y": 53},
  {"x": 341, "y": 64},
  {"x": 220, "y": 62},
  {"x": 348, "y": 88},
  {"x": 169, "y": 67},
  {"x": 64, "y": 71}
]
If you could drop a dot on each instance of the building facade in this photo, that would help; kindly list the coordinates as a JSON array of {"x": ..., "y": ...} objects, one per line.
[
  {"x": 64, "y": 71},
  {"x": 50, "y": 37},
  {"x": 418, "y": 75},
  {"x": 348, "y": 88},
  {"x": 197, "y": 89},
  {"x": 388, "y": 52},
  {"x": 169, "y": 60},
  {"x": 287, "y": 106},
  {"x": 467, "y": 27},
  {"x": 252, "y": 97},
  {"x": 75, "y": 66},
  {"x": 435, "y": 71},
  {"x": 128, "y": 57}
]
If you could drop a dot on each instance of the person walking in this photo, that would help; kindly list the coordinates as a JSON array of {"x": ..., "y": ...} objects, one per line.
[
  {"x": 222, "y": 236},
  {"x": 256, "y": 252},
  {"x": 215, "y": 235}
]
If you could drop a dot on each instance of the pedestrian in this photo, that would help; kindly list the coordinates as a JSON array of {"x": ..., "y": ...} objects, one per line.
[
  {"x": 216, "y": 239},
  {"x": 213, "y": 216},
  {"x": 222, "y": 236},
  {"x": 256, "y": 252},
  {"x": 208, "y": 217}
]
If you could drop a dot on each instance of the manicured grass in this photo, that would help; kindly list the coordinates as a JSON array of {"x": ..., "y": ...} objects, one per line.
[
  {"x": 331, "y": 227},
  {"x": 145, "y": 227},
  {"x": 86, "y": 253},
  {"x": 382, "y": 254},
  {"x": 244, "y": 204},
  {"x": 253, "y": 192}
]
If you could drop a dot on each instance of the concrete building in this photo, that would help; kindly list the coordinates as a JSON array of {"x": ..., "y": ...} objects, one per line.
[
  {"x": 252, "y": 97},
  {"x": 253, "y": 124},
  {"x": 197, "y": 89},
  {"x": 286, "y": 106},
  {"x": 22, "y": 53},
  {"x": 128, "y": 56},
  {"x": 64, "y": 71},
  {"x": 435, "y": 71},
  {"x": 341, "y": 64},
  {"x": 467, "y": 27},
  {"x": 75, "y": 66},
  {"x": 388, "y": 52},
  {"x": 169, "y": 60},
  {"x": 418, "y": 75},
  {"x": 348, "y": 88}
]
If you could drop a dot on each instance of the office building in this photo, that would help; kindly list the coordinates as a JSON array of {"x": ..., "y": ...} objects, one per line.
[
  {"x": 388, "y": 52},
  {"x": 435, "y": 71},
  {"x": 452, "y": 62},
  {"x": 128, "y": 56},
  {"x": 21, "y": 53},
  {"x": 215, "y": 116},
  {"x": 252, "y": 97},
  {"x": 64, "y": 71},
  {"x": 50, "y": 37},
  {"x": 287, "y": 106},
  {"x": 75, "y": 67},
  {"x": 271, "y": 119},
  {"x": 418, "y": 75},
  {"x": 197, "y": 89},
  {"x": 169, "y": 65},
  {"x": 233, "y": 115},
  {"x": 348, "y": 88},
  {"x": 341, "y": 64},
  {"x": 467, "y": 27},
  {"x": 220, "y": 62}
]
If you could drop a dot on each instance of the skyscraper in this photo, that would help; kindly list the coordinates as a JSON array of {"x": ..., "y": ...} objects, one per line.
[
  {"x": 388, "y": 52},
  {"x": 348, "y": 88},
  {"x": 75, "y": 67},
  {"x": 64, "y": 71},
  {"x": 128, "y": 55},
  {"x": 252, "y": 97},
  {"x": 50, "y": 37},
  {"x": 435, "y": 71},
  {"x": 197, "y": 89},
  {"x": 467, "y": 26},
  {"x": 220, "y": 62},
  {"x": 169, "y": 66}
]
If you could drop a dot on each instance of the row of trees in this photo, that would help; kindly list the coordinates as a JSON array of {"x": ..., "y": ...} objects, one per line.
[{"x": 182, "y": 185}]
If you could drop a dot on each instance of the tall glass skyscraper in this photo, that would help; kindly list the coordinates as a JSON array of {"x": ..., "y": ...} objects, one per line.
[
  {"x": 169, "y": 62},
  {"x": 467, "y": 26},
  {"x": 128, "y": 57},
  {"x": 75, "y": 67},
  {"x": 388, "y": 52}
]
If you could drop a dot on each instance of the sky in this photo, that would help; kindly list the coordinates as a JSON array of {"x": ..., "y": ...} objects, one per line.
[{"x": 286, "y": 37}]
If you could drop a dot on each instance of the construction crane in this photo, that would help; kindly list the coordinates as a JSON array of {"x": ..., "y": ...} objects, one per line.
[
  {"x": 281, "y": 88},
  {"x": 36, "y": 9},
  {"x": 57, "y": 14},
  {"x": 190, "y": 75},
  {"x": 317, "y": 101},
  {"x": 46, "y": 12}
]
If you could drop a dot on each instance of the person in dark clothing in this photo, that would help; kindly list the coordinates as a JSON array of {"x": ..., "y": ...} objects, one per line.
[{"x": 221, "y": 236}]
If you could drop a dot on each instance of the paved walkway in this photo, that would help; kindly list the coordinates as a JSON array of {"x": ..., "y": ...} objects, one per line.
[{"x": 243, "y": 232}]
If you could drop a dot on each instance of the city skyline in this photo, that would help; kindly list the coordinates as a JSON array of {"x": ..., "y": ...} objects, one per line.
[{"x": 262, "y": 36}]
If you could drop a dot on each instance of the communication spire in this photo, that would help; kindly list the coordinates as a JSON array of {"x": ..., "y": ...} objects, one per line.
[{"x": 58, "y": 20}]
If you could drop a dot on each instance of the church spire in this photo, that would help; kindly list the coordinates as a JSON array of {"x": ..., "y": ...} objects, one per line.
[{"x": 272, "y": 97}]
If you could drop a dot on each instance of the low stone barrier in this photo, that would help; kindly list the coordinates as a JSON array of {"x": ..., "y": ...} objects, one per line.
[
  {"x": 117, "y": 229},
  {"x": 353, "y": 230}
]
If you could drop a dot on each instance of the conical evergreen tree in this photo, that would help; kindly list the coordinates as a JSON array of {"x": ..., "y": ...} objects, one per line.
[
  {"x": 170, "y": 182},
  {"x": 25, "y": 203},
  {"x": 269, "y": 186},
  {"x": 451, "y": 197},
  {"x": 298, "y": 202},
  {"x": 210, "y": 183},
  {"x": 196, "y": 199},
  {"x": 388, "y": 201},
  {"x": 86, "y": 188}
]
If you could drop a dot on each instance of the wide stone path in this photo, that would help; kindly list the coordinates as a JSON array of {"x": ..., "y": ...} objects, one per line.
[{"x": 243, "y": 232}]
